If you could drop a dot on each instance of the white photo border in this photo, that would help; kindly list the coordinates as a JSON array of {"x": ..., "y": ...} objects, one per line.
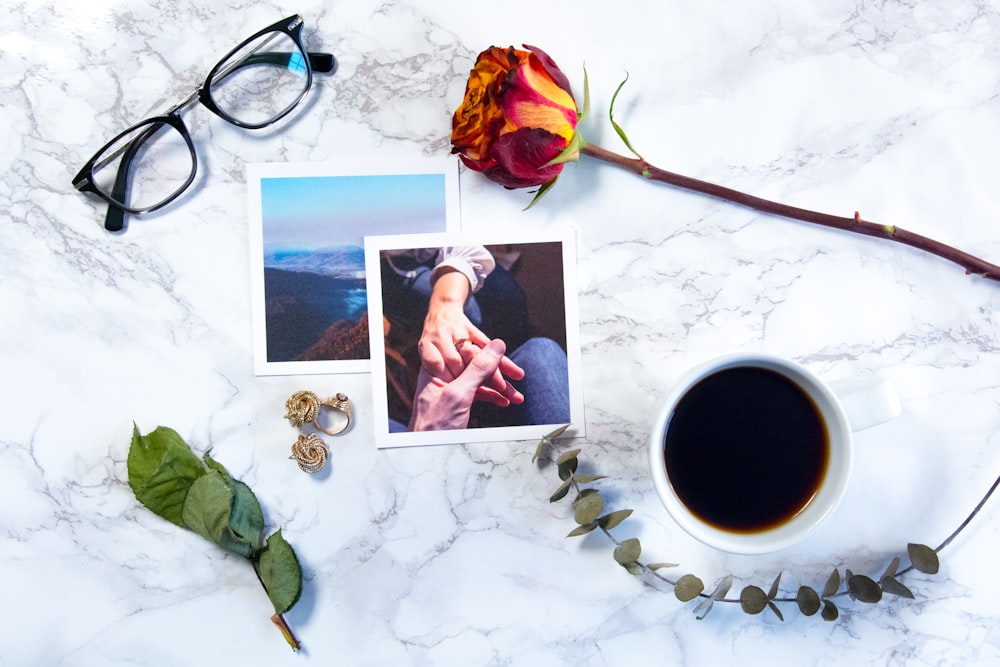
[
  {"x": 256, "y": 172},
  {"x": 380, "y": 411}
]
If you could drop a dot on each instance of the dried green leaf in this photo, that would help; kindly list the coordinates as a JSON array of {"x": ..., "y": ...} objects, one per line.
[
  {"x": 161, "y": 470},
  {"x": 701, "y": 611},
  {"x": 661, "y": 566},
  {"x": 583, "y": 494},
  {"x": 832, "y": 584},
  {"x": 280, "y": 573},
  {"x": 863, "y": 588},
  {"x": 633, "y": 568},
  {"x": 568, "y": 456},
  {"x": 923, "y": 558},
  {"x": 561, "y": 492},
  {"x": 582, "y": 530},
  {"x": 552, "y": 435},
  {"x": 586, "y": 479},
  {"x": 773, "y": 593},
  {"x": 808, "y": 600},
  {"x": 538, "y": 450},
  {"x": 753, "y": 600},
  {"x": 628, "y": 551},
  {"x": 567, "y": 468},
  {"x": 206, "y": 508},
  {"x": 777, "y": 612},
  {"x": 688, "y": 588},
  {"x": 609, "y": 521},
  {"x": 830, "y": 611},
  {"x": 722, "y": 587},
  {"x": 893, "y": 586},
  {"x": 892, "y": 569},
  {"x": 588, "y": 509}
]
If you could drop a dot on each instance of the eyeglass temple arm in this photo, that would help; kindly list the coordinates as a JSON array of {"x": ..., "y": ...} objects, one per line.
[{"x": 114, "y": 220}]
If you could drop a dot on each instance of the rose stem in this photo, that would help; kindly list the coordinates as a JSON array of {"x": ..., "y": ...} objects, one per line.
[{"x": 971, "y": 264}]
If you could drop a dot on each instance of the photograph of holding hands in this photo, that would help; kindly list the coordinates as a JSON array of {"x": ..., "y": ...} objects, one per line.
[{"x": 477, "y": 340}]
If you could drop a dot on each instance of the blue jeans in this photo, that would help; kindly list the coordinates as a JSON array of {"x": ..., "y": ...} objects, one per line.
[{"x": 545, "y": 387}]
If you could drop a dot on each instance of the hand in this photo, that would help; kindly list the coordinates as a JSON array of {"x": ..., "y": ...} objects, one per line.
[
  {"x": 440, "y": 405},
  {"x": 446, "y": 325}
]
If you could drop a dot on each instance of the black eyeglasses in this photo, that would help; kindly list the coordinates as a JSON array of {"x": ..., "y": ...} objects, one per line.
[{"x": 256, "y": 84}]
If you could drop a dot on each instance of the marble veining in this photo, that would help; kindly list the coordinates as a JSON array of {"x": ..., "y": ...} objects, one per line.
[{"x": 452, "y": 555}]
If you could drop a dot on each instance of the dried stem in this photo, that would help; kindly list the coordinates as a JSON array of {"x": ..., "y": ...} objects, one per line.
[{"x": 971, "y": 263}]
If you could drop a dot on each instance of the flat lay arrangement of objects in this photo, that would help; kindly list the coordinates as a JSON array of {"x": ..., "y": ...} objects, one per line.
[{"x": 606, "y": 337}]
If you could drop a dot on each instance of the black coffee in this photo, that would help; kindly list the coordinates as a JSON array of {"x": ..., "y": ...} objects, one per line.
[{"x": 746, "y": 449}]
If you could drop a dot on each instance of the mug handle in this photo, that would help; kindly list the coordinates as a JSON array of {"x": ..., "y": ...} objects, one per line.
[{"x": 867, "y": 401}]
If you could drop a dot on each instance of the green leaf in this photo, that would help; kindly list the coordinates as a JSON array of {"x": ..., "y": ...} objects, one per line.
[
  {"x": 923, "y": 558},
  {"x": 618, "y": 128},
  {"x": 609, "y": 521},
  {"x": 206, "y": 509},
  {"x": 893, "y": 586},
  {"x": 753, "y": 600},
  {"x": 567, "y": 468},
  {"x": 777, "y": 612},
  {"x": 588, "y": 509},
  {"x": 561, "y": 492},
  {"x": 628, "y": 551},
  {"x": 571, "y": 455},
  {"x": 832, "y": 584},
  {"x": 701, "y": 611},
  {"x": 808, "y": 600},
  {"x": 830, "y": 611},
  {"x": 722, "y": 587},
  {"x": 552, "y": 435},
  {"x": 583, "y": 494},
  {"x": 161, "y": 470},
  {"x": 541, "y": 192},
  {"x": 280, "y": 573},
  {"x": 246, "y": 520},
  {"x": 863, "y": 588},
  {"x": 688, "y": 588},
  {"x": 586, "y": 97},
  {"x": 569, "y": 154},
  {"x": 893, "y": 567},
  {"x": 661, "y": 566},
  {"x": 582, "y": 530},
  {"x": 633, "y": 568},
  {"x": 586, "y": 479},
  {"x": 539, "y": 449},
  {"x": 773, "y": 593}
]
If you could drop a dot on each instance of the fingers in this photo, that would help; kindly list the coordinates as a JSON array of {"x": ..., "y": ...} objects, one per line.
[{"x": 496, "y": 389}]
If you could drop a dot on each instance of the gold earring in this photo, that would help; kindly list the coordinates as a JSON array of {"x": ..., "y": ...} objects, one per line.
[
  {"x": 310, "y": 453},
  {"x": 303, "y": 407}
]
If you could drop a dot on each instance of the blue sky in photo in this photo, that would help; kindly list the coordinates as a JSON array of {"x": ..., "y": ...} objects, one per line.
[{"x": 314, "y": 212}]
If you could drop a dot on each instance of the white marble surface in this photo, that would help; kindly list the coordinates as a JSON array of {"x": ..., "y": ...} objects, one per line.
[{"x": 451, "y": 555}]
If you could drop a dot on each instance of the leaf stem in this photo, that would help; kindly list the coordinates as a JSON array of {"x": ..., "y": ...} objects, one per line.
[
  {"x": 277, "y": 619},
  {"x": 640, "y": 167}
]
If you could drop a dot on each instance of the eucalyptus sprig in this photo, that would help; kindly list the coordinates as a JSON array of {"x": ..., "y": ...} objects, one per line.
[
  {"x": 200, "y": 495},
  {"x": 589, "y": 515}
]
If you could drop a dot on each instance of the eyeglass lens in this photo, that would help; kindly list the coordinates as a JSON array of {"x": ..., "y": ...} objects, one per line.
[
  {"x": 159, "y": 164},
  {"x": 261, "y": 81}
]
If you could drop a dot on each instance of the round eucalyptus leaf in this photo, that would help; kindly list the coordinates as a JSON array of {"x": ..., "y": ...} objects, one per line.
[
  {"x": 832, "y": 584},
  {"x": 864, "y": 589},
  {"x": 923, "y": 558},
  {"x": 753, "y": 600},
  {"x": 588, "y": 509},
  {"x": 688, "y": 587},
  {"x": 628, "y": 551},
  {"x": 830, "y": 611},
  {"x": 808, "y": 600},
  {"x": 892, "y": 586}
]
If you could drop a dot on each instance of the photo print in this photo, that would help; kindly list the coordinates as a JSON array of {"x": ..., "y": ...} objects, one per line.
[
  {"x": 438, "y": 306},
  {"x": 308, "y": 222}
]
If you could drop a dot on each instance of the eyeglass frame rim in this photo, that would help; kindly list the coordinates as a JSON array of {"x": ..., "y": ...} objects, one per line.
[{"x": 84, "y": 179}]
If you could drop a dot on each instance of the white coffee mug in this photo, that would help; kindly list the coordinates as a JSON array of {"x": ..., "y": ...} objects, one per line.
[{"x": 843, "y": 407}]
